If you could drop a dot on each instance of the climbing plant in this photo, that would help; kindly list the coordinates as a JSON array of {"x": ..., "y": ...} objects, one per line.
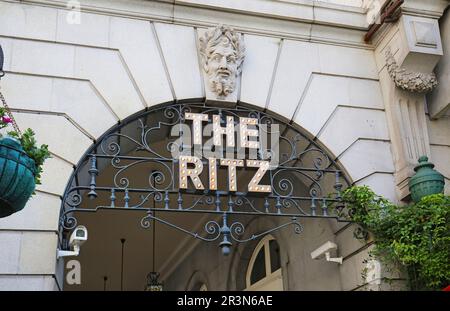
[{"x": 414, "y": 236}]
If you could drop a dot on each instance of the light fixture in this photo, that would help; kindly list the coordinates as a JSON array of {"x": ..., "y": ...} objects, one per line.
[{"x": 153, "y": 284}]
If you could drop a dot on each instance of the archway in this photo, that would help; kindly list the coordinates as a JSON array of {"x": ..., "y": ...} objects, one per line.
[{"x": 132, "y": 180}]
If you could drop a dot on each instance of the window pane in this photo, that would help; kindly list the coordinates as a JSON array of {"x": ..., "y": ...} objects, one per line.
[
  {"x": 275, "y": 263},
  {"x": 259, "y": 268}
]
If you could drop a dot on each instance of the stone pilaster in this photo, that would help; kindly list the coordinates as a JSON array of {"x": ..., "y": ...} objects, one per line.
[{"x": 407, "y": 52}]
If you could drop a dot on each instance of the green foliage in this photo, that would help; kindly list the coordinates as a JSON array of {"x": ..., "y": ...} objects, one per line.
[
  {"x": 415, "y": 236},
  {"x": 38, "y": 154}
]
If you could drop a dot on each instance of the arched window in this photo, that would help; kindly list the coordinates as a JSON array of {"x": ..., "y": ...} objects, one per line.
[{"x": 264, "y": 269}]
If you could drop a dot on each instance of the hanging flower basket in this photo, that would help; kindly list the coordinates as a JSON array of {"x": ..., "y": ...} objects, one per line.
[
  {"x": 21, "y": 163},
  {"x": 21, "y": 160},
  {"x": 17, "y": 176}
]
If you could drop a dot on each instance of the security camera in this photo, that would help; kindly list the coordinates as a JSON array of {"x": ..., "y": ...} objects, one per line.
[
  {"x": 77, "y": 238},
  {"x": 324, "y": 252}
]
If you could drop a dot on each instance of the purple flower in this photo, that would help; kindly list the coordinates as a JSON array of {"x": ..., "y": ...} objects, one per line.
[{"x": 6, "y": 119}]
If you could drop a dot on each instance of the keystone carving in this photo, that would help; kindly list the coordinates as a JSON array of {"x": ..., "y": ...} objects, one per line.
[
  {"x": 222, "y": 52},
  {"x": 416, "y": 82}
]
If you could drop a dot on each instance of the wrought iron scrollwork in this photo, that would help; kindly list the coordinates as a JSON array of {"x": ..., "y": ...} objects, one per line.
[{"x": 131, "y": 166}]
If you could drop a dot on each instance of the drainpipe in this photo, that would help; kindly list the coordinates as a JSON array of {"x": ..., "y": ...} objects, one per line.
[{"x": 389, "y": 14}]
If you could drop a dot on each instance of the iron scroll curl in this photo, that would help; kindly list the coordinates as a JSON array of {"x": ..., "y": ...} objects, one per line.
[{"x": 132, "y": 165}]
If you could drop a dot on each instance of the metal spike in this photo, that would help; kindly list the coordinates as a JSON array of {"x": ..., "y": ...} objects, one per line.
[
  {"x": 180, "y": 201},
  {"x": 324, "y": 208},
  {"x": 313, "y": 206},
  {"x": 166, "y": 200},
  {"x": 113, "y": 197},
  {"x": 126, "y": 198},
  {"x": 266, "y": 205},
  {"x": 93, "y": 171},
  {"x": 278, "y": 205},
  {"x": 230, "y": 204},
  {"x": 217, "y": 202}
]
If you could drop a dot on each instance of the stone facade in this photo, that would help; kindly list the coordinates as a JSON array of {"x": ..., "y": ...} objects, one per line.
[{"x": 305, "y": 61}]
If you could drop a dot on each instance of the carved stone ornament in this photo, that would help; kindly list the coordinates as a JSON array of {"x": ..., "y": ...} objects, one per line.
[
  {"x": 222, "y": 52},
  {"x": 411, "y": 81}
]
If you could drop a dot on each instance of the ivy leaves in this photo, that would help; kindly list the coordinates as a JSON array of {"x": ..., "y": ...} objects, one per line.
[{"x": 417, "y": 236}]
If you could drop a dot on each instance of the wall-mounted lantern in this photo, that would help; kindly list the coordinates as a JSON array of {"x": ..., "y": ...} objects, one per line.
[
  {"x": 153, "y": 284},
  {"x": 426, "y": 181}
]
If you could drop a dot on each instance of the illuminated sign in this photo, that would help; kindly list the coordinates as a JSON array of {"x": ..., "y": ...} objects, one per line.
[{"x": 249, "y": 137}]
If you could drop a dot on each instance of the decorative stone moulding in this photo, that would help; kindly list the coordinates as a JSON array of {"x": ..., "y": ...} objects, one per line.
[
  {"x": 222, "y": 52},
  {"x": 416, "y": 82}
]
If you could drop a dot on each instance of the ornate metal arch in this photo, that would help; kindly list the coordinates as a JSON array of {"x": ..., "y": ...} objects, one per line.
[{"x": 131, "y": 167}]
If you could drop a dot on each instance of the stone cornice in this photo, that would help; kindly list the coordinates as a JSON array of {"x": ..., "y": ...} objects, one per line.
[
  {"x": 304, "y": 20},
  {"x": 433, "y": 9},
  {"x": 428, "y": 8},
  {"x": 300, "y": 10}
]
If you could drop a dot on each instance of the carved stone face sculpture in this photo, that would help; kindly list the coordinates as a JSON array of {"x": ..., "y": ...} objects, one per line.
[{"x": 222, "y": 52}]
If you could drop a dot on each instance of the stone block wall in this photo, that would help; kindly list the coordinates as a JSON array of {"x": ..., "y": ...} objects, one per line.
[{"x": 72, "y": 82}]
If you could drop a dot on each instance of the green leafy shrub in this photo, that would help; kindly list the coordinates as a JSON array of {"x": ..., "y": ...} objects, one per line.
[{"x": 415, "y": 236}]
